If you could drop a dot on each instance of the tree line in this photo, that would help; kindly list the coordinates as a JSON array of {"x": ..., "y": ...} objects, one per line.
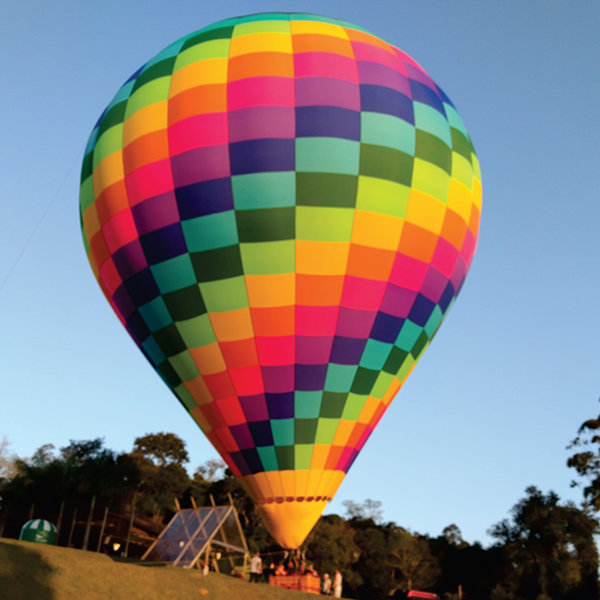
[{"x": 545, "y": 550}]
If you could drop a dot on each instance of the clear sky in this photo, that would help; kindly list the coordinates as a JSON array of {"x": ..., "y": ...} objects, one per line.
[{"x": 491, "y": 407}]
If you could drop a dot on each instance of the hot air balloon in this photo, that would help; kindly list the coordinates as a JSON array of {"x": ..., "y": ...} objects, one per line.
[{"x": 281, "y": 209}]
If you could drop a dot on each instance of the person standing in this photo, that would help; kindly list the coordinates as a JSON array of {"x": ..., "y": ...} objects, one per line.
[
  {"x": 326, "y": 585},
  {"x": 106, "y": 545},
  {"x": 255, "y": 568},
  {"x": 337, "y": 584}
]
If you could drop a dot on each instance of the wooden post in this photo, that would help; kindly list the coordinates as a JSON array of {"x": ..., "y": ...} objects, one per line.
[
  {"x": 215, "y": 564},
  {"x": 88, "y": 527},
  {"x": 193, "y": 502},
  {"x": 459, "y": 591},
  {"x": 60, "y": 518},
  {"x": 222, "y": 533},
  {"x": 212, "y": 500},
  {"x": 72, "y": 528},
  {"x": 130, "y": 528},
  {"x": 102, "y": 530},
  {"x": 177, "y": 505}
]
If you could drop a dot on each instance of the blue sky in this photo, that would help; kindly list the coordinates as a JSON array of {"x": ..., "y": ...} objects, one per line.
[{"x": 513, "y": 371}]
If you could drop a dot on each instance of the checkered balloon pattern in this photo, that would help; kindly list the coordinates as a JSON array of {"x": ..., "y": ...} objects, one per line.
[{"x": 281, "y": 209}]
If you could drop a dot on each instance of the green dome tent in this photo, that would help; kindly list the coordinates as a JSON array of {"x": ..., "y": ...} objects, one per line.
[{"x": 38, "y": 530}]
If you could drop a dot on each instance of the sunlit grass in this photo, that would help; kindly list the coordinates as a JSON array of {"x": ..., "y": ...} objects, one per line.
[{"x": 31, "y": 571}]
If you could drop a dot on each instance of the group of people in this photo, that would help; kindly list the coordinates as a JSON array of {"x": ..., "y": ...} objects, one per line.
[
  {"x": 295, "y": 565},
  {"x": 327, "y": 586}
]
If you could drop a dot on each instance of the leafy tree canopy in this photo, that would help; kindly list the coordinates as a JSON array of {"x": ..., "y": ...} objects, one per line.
[
  {"x": 453, "y": 535},
  {"x": 369, "y": 509},
  {"x": 212, "y": 470},
  {"x": 162, "y": 449},
  {"x": 586, "y": 461},
  {"x": 549, "y": 549},
  {"x": 410, "y": 555},
  {"x": 331, "y": 546}
]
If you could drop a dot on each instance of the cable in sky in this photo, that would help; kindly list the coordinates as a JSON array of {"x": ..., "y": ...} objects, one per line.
[{"x": 41, "y": 219}]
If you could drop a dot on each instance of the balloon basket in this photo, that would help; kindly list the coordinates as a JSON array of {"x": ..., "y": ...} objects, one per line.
[{"x": 303, "y": 583}]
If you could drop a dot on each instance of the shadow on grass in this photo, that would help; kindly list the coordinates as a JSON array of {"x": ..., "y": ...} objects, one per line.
[
  {"x": 138, "y": 561},
  {"x": 24, "y": 574}
]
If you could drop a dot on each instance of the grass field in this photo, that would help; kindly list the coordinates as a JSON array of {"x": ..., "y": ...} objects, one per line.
[{"x": 31, "y": 571}]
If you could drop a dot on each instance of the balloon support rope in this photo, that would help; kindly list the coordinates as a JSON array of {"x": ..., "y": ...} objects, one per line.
[{"x": 41, "y": 219}]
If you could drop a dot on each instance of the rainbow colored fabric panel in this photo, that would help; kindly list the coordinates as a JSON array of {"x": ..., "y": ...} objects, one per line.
[{"x": 281, "y": 209}]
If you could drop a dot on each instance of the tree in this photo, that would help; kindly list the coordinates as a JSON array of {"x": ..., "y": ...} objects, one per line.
[
  {"x": 549, "y": 549},
  {"x": 476, "y": 570},
  {"x": 453, "y": 536},
  {"x": 162, "y": 449},
  {"x": 79, "y": 452},
  {"x": 586, "y": 462},
  {"x": 212, "y": 470},
  {"x": 159, "y": 459},
  {"x": 331, "y": 546},
  {"x": 92, "y": 469},
  {"x": 43, "y": 456},
  {"x": 369, "y": 509},
  {"x": 410, "y": 555},
  {"x": 79, "y": 471},
  {"x": 7, "y": 460},
  {"x": 372, "y": 541}
]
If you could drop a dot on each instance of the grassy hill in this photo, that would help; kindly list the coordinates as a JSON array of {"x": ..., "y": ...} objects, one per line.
[{"x": 36, "y": 572}]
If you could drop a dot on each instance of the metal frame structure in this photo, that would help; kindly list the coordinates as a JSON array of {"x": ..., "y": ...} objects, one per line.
[{"x": 192, "y": 531}]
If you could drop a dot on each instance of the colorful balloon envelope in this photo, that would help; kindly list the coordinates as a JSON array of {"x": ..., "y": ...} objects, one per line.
[{"x": 281, "y": 209}]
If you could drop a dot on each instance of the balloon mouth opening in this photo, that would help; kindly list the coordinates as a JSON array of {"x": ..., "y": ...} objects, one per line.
[
  {"x": 289, "y": 519},
  {"x": 282, "y": 499}
]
